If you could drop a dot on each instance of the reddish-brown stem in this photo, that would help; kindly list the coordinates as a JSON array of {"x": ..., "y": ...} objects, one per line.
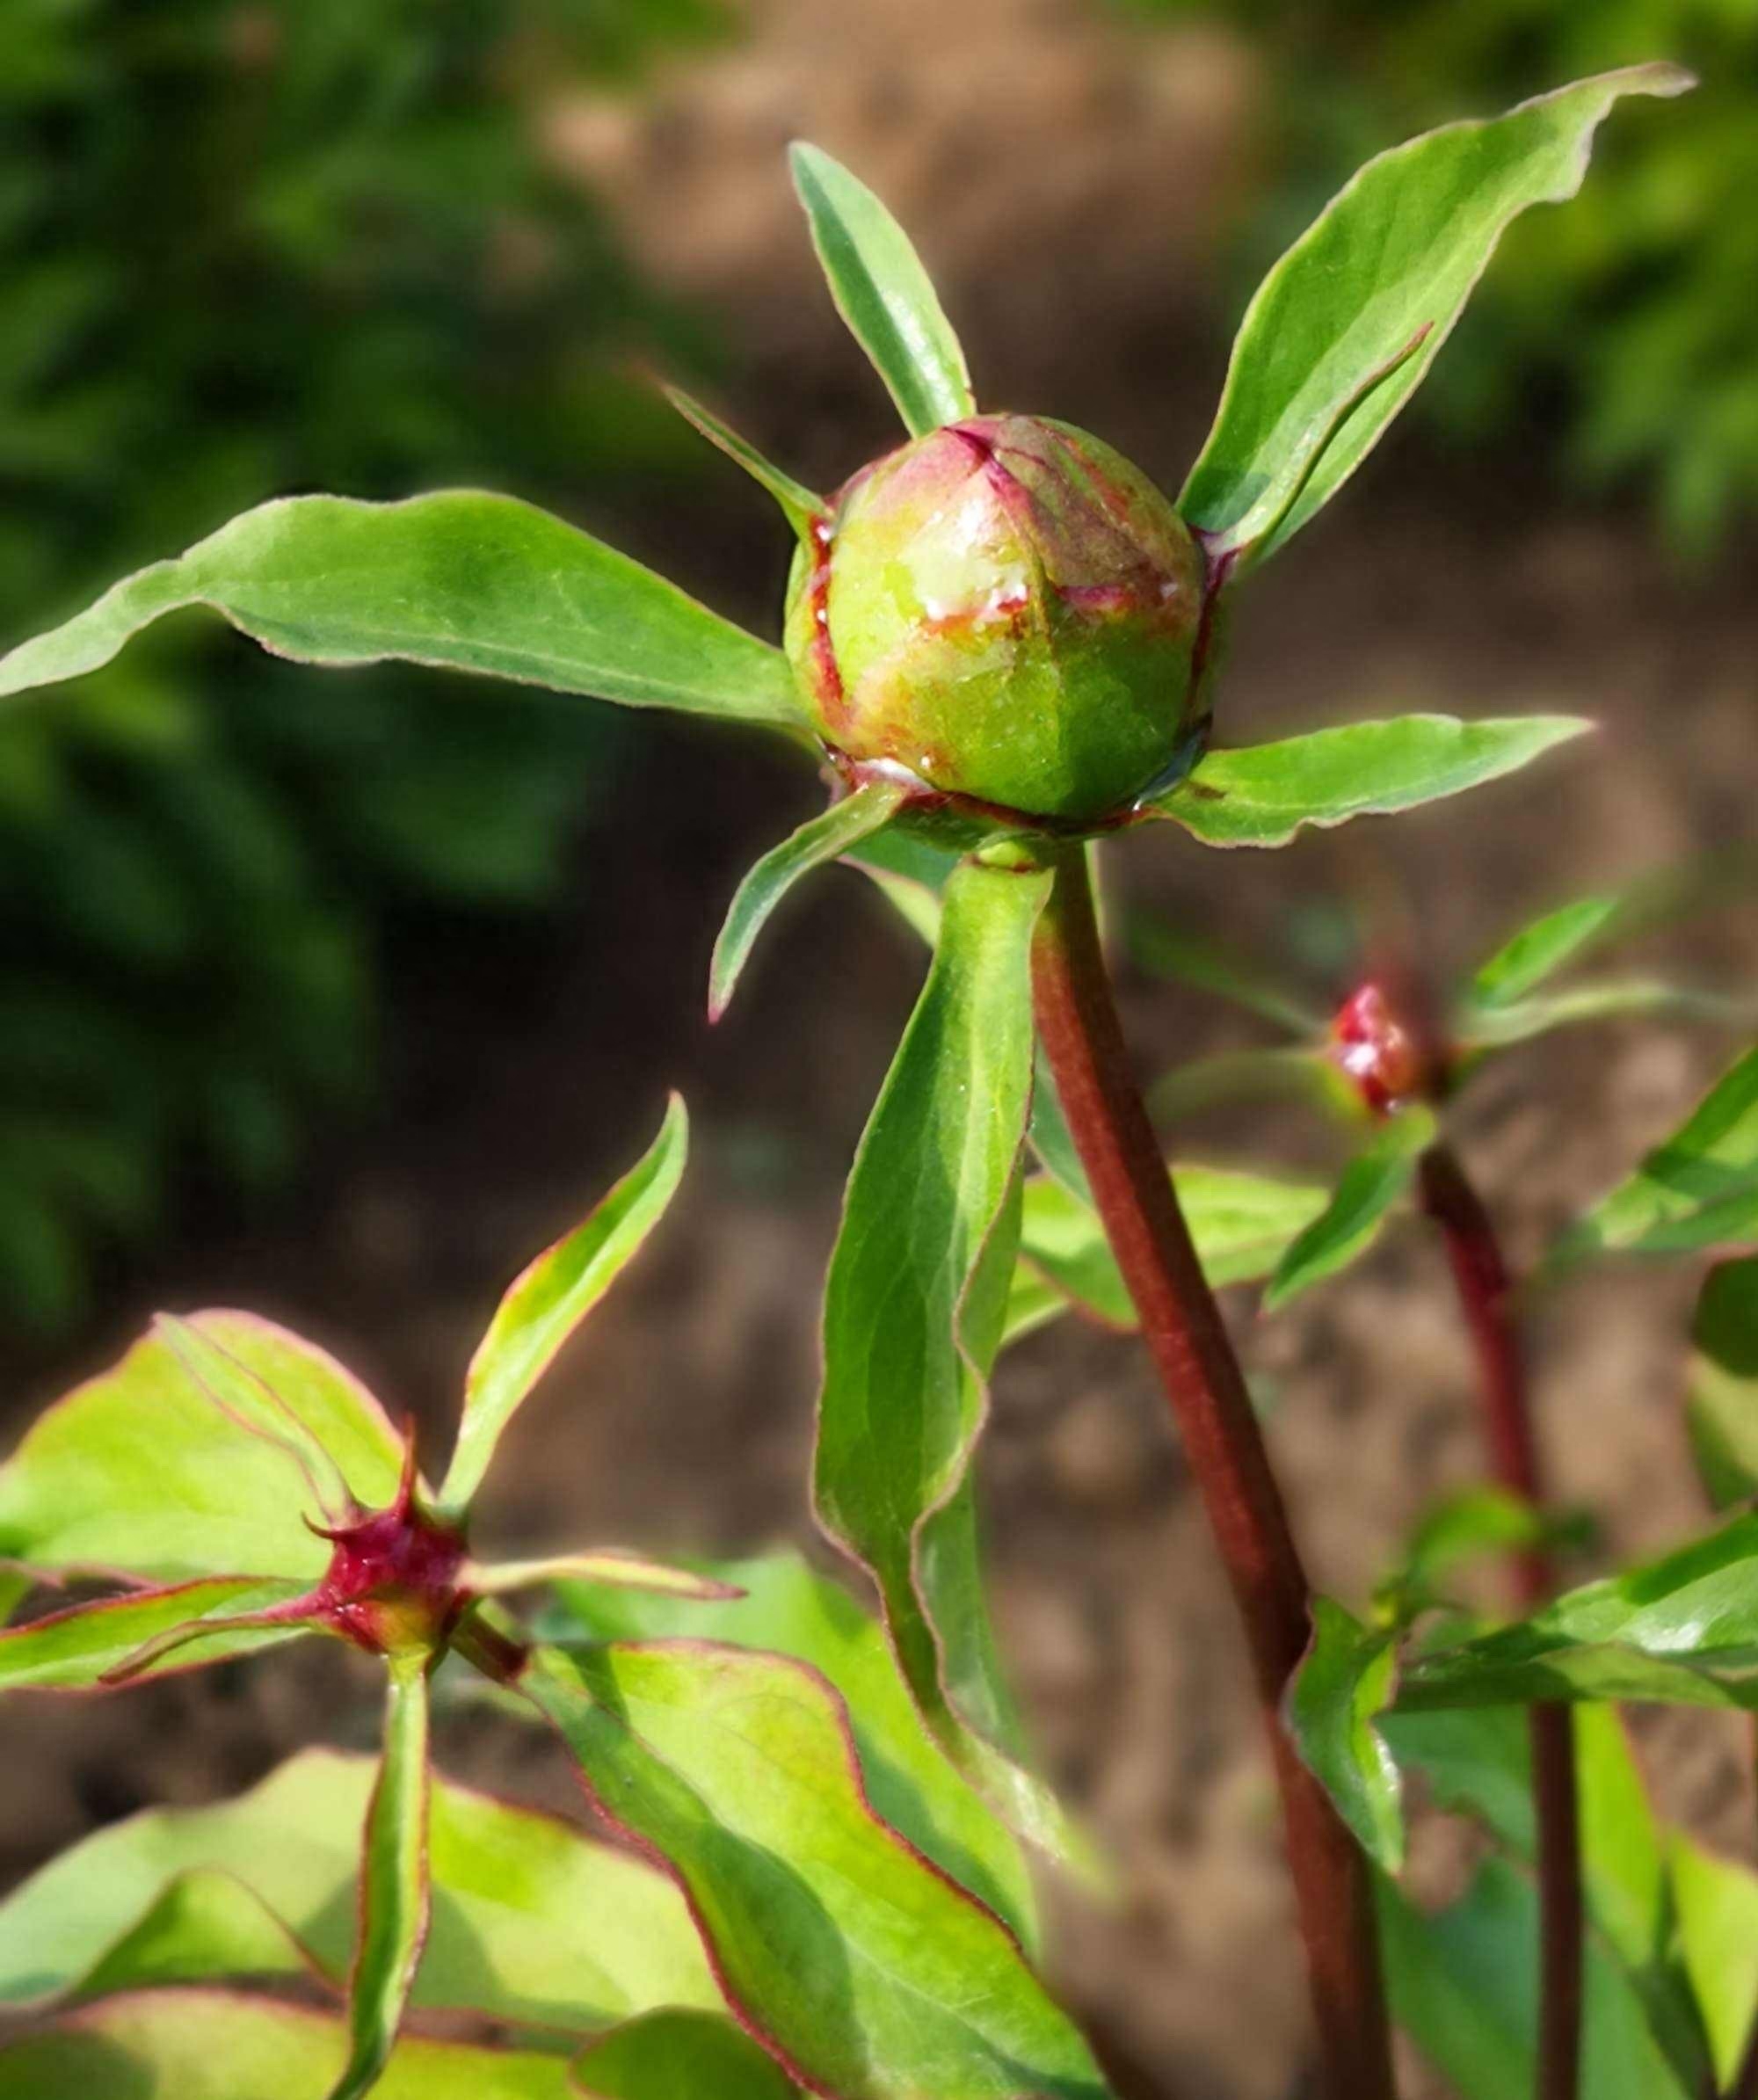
[
  {"x": 1083, "y": 1039},
  {"x": 1481, "y": 1277}
]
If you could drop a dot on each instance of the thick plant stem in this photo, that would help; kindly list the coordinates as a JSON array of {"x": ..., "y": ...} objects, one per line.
[
  {"x": 1083, "y": 1039},
  {"x": 1481, "y": 1277}
]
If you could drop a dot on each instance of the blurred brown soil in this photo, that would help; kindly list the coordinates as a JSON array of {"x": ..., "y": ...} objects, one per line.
[{"x": 531, "y": 1066}]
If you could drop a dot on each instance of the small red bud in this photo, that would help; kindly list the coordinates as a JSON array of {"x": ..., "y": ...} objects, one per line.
[
  {"x": 392, "y": 1587},
  {"x": 1377, "y": 1052}
]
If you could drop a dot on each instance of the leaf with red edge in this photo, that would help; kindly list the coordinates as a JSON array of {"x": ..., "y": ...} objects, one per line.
[
  {"x": 79, "y": 1649},
  {"x": 680, "y": 2056}
]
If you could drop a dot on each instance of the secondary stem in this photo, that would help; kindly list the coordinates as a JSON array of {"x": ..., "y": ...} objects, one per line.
[
  {"x": 1482, "y": 1280},
  {"x": 1083, "y": 1039}
]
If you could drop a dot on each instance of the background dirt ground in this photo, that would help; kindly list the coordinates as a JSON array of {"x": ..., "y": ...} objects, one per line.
[{"x": 532, "y": 1065}]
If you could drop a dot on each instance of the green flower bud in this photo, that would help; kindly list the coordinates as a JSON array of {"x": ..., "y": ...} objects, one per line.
[{"x": 1008, "y": 611}]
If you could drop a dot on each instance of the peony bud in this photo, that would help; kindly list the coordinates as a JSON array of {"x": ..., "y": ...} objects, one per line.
[{"x": 1010, "y": 611}]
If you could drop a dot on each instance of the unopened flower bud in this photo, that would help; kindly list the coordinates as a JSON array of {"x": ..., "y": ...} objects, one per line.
[{"x": 1009, "y": 612}]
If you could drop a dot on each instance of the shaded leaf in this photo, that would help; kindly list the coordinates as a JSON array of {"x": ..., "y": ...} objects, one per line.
[
  {"x": 797, "y": 505},
  {"x": 459, "y": 581},
  {"x": 143, "y": 1472},
  {"x": 545, "y": 1304},
  {"x": 1332, "y": 1704},
  {"x": 1463, "y": 1527},
  {"x": 867, "y": 1973},
  {"x": 395, "y": 1902},
  {"x": 883, "y": 291},
  {"x": 674, "y": 2055},
  {"x": 534, "y": 1922},
  {"x": 1307, "y": 1076},
  {"x": 1698, "y": 1190},
  {"x": 826, "y": 837},
  {"x": 1716, "y": 1901},
  {"x": 1539, "y": 949},
  {"x": 1264, "y": 794},
  {"x": 1371, "y": 291},
  {"x": 913, "y": 1310},
  {"x": 1613, "y": 1000},
  {"x": 787, "y": 1609},
  {"x": 1721, "y": 1400},
  {"x": 212, "y": 2044},
  {"x": 78, "y": 1648},
  {"x": 1371, "y": 1184},
  {"x": 1187, "y": 958}
]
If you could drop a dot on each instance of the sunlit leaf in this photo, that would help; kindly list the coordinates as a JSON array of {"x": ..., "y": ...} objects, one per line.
[
  {"x": 1717, "y": 1901},
  {"x": 81, "y": 1647},
  {"x": 1332, "y": 1706},
  {"x": 212, "y": 2044},
  {"x": 201, "y": 1926},
  {"x": 1698, "y": 1190},
  {"x": 866, "y": 1971},
  {"x": 785, "y": 1609},
  {"x": 460, "y": 581},
  {"x": 545, "y": 1304},
  {"x": 1395, "y": 254},
  {"x": 1538, "y": 950},
  {"x": 797, "y": 505},
  {"x": 608, "y": 1564},
  {"x": 1371, "y": 1184},
  {"x": 1721, "y": 1400},
  {"x": 676, "y": 2055},
  {"x": 883, "y": 291},
  {"x": 395, "y": 1898},
  {"x": 827, "y": 837},
  {"x": 913, "y": 1310},
  {"x": 144, "y": 1472},
  {"x": 536, "y": 1924},
  {"x": 1264, "y": 794}
]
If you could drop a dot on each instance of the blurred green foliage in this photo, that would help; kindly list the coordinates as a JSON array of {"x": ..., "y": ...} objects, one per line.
[
  {"x": 1624, "y": 324},
  {"x": 251, "y": 246}
]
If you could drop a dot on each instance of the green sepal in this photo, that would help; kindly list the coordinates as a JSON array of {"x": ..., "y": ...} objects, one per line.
[
  {"x": 1372, "y": 1182},
  {"x": 797, "y": 505}
]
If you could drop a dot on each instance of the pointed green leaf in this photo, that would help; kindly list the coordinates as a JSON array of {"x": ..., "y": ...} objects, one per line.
[
  {"x": 1543, "y": 948},
  {"x": 680, "y": 2056},
  {"x": 913, "y": 1310},
  {"x": 608, "y": 1565},
  {"x": 1717, "y": 1901},
  {"x": 153, "y": 1471},
  {"x": 77, "y": 1649},
  {"x": 798, "y": 504},
  {"x": 1332, "y": 1706},
  {"x": 1698, "y": 1190},
  {"x": 787, "y": 1609},
  {"x": 459, "y": 581},
  {"x": 1369, "y": 292},
  {"x": 545, "y": 1304},
  {"x": 883, "y": 291},
  {"x": 395, "y": 1899},
  {"x": 825, "y": 838},
  {"x": 1187, "y": 958},
  {"x": 1263, "y": 795},
  {"x": 1462, "y": 1986},
  {"x": 1371, "y": 1184},
  {"x": 1615, "y": 1000},
  {"x": 865, "y": 1971},
  {"x": 1721, "y": 1401},
  {"x": 184, "y": 2045},
  {"x": 534, "y": 1923}
]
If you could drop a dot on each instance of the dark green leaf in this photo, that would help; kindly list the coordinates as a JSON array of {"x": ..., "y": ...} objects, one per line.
[
  {"x": 680, "y": 2056},
  {"x": 1394, "y": 255},
  {"x": 1722, "y": 1398},
  {"x": 840, "y": 828},
  {"x": 1371, "y": 1184},
  {"x": 81, "y": 1647},
  {"x": 884, "y": 294},
  {"x": 1261, "y": 795},
  {"x": 867, "y": 1973},
  {"x": 1331, "y": 1707},
  {"x": 913, "y": 1310},
  {"x": 462, "y": 581},
  {"x": 798, "y": 504},
  {"x": 545, "y": 1304}
]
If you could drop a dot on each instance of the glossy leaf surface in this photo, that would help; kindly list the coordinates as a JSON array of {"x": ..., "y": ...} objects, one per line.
[
  {"x": 1265, "y": 793},
  {"x": 1370, "y": 1184},
  {"x": 826, "y": 837},
  {"x": 218, "y": 2045},
  {"x": 884, "y": 294},
  {"x": 458, "y": 581},
  {"x": 1721, "y": 1398},
  {"x": 787, "y": 1609},
  {"x": 868, "y": 1973},
  {"x": 677, "y": 2056},
  {"x": 1698, "y": 1190},
  {"x": 1333, "y": 1705},
  {"x": 395, "y": 1899},
  {"x": 534, "y": 1922},
  {"x": 913, "y": 1311},
  {"x": 1395, "y": 253},
  {"x": 553, "y": 1296},
  {"x": 77, "y": 1649},
  {"x": 144, "y": 1472}
]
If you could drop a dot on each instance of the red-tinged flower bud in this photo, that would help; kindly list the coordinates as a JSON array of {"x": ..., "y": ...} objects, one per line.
[
  {"x": 1009, "y": 612},
  {"x": 1377, "y": 1052},
  {"x": 392, "y": 1587}
]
